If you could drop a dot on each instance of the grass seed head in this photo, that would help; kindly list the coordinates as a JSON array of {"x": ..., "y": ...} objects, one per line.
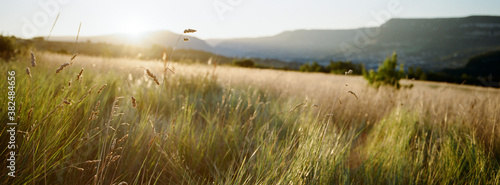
[
  {"x": 62, "y": 67},
  {"x": 33, "y": 59},
  {"x": 28, "y": 71},
  {"x": 97, "y": 106},
  {"x": 123, "y": 138},
  {"x": 134, "y": 102},
  {"x": 152, "y": 76},
  {"x": 353, "y": 94},
  {"x": 74, "y": 56},
  {"x": 30, "y": 112},
  {"x": 102, "y": 87},
  {"x": 78, "y": 168},
  {"x": 93, "y": 115},
  {"x": 92, "y": 161},
  {"x": 33, "y": 56},
  {"x": 79, "y": 76},
  {"x": 189, "y": 31},
  {"x": 66, "y": 102},
  {"x": 116, "y": 157}
]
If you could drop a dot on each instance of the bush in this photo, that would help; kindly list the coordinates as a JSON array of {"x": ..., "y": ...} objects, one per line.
[
  {"x": 7, "y": 47},
  {"x": 341, "y": 67},
  {"x": 313, "y": 67},
  {"x": 244, "y": 63},
  {"x": 418, "y": 74},
  {"x": 387, "y": 73}
]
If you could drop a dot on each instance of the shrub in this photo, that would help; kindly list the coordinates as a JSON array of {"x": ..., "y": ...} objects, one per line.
[
  {"x": 341, "y": 67},
  {"x": 313, "y": 67},
  {"x": 7, "y": 47},
  {"x": 244, "y": 63},
  {"x": 387, "y": 73}
]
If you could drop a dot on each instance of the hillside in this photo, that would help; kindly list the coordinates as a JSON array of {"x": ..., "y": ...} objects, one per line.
[
  {"x": 430, "y": 43},
  {"x": 480, "y": 70}
]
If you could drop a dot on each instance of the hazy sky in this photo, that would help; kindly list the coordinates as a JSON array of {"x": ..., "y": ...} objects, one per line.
[{"x": 219, "y": 18}]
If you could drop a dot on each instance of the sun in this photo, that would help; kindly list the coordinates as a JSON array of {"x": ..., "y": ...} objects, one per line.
[{"x": 134, "y": 29}]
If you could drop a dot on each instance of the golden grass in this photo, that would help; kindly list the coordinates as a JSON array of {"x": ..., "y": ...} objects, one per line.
[
  {"x": 447, "y": 101},
  {"x": 191, "y": 139}
]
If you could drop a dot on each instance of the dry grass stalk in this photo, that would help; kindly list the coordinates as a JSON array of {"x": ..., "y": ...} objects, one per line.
[
  {"x": 93, "y": 115},
  {"x": 28, "y": 71},
  {"x": 167, "y": 68},
  {"x": 112, "y": 128},
  {"x": 101, "y": 167},
  {"x": 297, "y": 106},
  {"x": 353, "y": 94},
  {"x": 122, "y": 139},
  {"x": 62, "y": 67},
  {"x": 24, "y": 133},
  {"x": 52, "y": 112},
  {"x": 92, "y": 161},
  {"x": 33, "y": 59},
  {"x": 116, "y": 157},
  {"x": 153, "y": 76},
  {"x": 78, "y": 168},
  {"x": 171, "y": 70},
  {"x": 134, "y": 102},
  {"x": 102, "y": 87},
  {"x": 79, "y": 76},
  {"x": 66, "y": 102},
  {"x": 97, "y": 106},
  {"x": 86, "y": 94},
  {"x": 53, "y": 25},
  {"x": 113, "y": 144},
  {"x": 164, "y": 56},
  {"x": 77, "y": 35},
  {"x": 29, "y": 113},
  {"x": 95, "y": 112},
  {"x": 74, "y": 56},
  {"x": 20, "y": 108}
]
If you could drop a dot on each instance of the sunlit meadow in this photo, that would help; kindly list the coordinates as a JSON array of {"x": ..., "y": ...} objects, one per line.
[{"x": 106, "y": 121}]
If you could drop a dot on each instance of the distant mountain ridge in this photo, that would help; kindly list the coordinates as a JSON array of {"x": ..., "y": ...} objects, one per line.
[
  {"x": 429, "y": 43},
  {"x": 433, "y": 44}
]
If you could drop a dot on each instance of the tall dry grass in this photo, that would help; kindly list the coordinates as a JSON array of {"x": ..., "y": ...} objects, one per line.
[{"x": 227, "y": 125}]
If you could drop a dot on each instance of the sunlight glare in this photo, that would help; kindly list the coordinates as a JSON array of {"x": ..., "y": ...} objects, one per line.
[{"x": 134, "y": 29}]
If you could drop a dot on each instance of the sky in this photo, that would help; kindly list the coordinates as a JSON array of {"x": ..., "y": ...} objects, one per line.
[{"x": 218, "y": 19}]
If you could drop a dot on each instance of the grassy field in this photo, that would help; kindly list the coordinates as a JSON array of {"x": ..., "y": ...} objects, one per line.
[{"x": 226, "y": 125}]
